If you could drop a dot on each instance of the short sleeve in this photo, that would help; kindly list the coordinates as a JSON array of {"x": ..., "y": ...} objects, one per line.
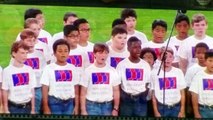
[
  {"x": 84, "y": 81},
  {"x": 45, "y": 77}
]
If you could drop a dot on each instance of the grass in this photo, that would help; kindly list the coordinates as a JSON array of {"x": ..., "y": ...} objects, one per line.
[{"x": 100, "y": 19}]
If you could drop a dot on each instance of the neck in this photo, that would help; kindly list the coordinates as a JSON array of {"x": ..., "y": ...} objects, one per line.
[
  {"x": 73, "y": 47},
  {"x": 209, "y": 72},
  {"x": 17, "y": 64},
  {"x": 83, "y": 43},
  {"x": 167, "y": 68},
  {"x": 200, "y": 37},
  {"x": 130, "y": 32},
  {"x": 202, "y": 64},
  {"x": 100, "y": 65},
  {"x": 182, "y": 37},
  {"x": 134, "y": 60},
  {"x": 61, "y": 63},
  {"x": 116, "y": 49}
]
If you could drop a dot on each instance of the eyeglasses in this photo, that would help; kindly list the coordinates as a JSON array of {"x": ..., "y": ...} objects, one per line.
[{"x": 85, "y": 30}]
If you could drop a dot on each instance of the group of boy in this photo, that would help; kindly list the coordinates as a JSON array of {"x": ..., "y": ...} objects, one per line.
[{"x": 68, "y": 74}]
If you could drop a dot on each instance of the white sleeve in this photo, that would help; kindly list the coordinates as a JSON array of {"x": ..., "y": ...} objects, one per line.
[
  {"x": 181, "y": 80},
  {"x": 32, "y": 78},
  {"x": 116, "y": 78},
  {"x": 76, "y": 76},
  {"x": 189, "y": 77},
  {"x": 45, "y": 77},
  {"x": 0, "y": 74},
  {"x": 85, "y": 78},
  {"x": 182, "y": 51},
  {"x": 5, "y": 81},
  {"x": 194, "y": 87}
]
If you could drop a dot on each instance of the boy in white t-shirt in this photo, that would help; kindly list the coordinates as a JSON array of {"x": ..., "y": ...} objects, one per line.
[
  {"x": 100, "y": 94},
  {"x": 68, "y": 19},
  {"x": 60, "y": 90},
  {"x": 18, "y": 83},
  {"x": 117, "y": 50},
  {"x": 135, "y": 74},
  {"x": 36, "y": 60},
  {"x": 84, "y": 36},
  {"x": 130, "y": 17},
  {"x": 200, "y": 50},
  {"x": 186, "y": 51},
  {"x": 168, "y": 88},
  {"x": 182, "y": 26},
  {"x": 201, "y": 89}
]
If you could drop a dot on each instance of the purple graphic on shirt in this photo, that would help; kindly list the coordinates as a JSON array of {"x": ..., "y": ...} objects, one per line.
[
  {"x": 76, "y": 60},
  {"x": 20, "y": 79},
  {"x": 134, "y": 74},
  {"x": 157, "y": 51},
  {"x": 176, "y": 47},
  {"x": 170, "y": 83},
  {"x": 115, "y": 60},
  {"x": 63, "y": 75},
  {"x": 91, "y": 57},
  {"x": 100, "y": 78},
  {"x": 44, "y": 40},
  {"x": 207, "y": 84},
  {"x": 32, "y": 62},
  {"x": 193, "y": 52}
]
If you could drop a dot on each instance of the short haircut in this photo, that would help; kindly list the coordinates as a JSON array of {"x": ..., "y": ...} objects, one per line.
[
  {"x": 198, "y": 17},
  {"x": 17, "y": 45},
  {"x": 182, "y": 17},
  {"x": 30, "y": 21},
  {"x": 80, "y": 21},
  {"x": 26, "y": 33},
  {"x": 209, "y": 53},
  {"x": 201, "y": 45},
  {"x": 131, "y": 40},
  {"x": 32, "y": 13},
  {"x": 163, "y": 49},
  {"x": 100, "y": 47},
  {"x": 128, "y": 12},
  {"x": 148, "y": 50},
  {"x": 68, "y": 29},
  {"x": 118, "y": 30},
  {"x": 159, "y": 22},
  {"x": 118, "y": 21},
  {"x": 60, "y": 42},
  {"x": 69, "y": 14}
]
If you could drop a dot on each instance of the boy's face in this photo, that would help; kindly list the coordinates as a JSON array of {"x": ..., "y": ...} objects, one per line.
[
  {"x": 30, "y": 41},
  {"x": 200, "y": 28},
  {"x": 209, "y": 64},
  {"x": 169, "y": 59},
  {"x": 200, "y": 54},
  {"x": 73, "y": 38},
  {"x": 119, "y": 40},
  {"x": 131, "y": 23},
  {"x": 70, "y": 20},
  {"x": 101, "y": 57},
  {"x": 182, "y": 28},
  {"x": 35, "y": 28},
  {"x": 21, "y": 55},
  {"x": 41, "y": 20},
  {"x": 148, "y": 57},
  {"x": 135, "y": 49},
  {"x": 159, "y": 34},
  {"x": 62, "y": 53},
  {"x": 84, "y": 30}
]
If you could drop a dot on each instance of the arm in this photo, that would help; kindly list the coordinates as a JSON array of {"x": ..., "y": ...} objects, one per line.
[
  {"x": 83, "y": 100},
  {"x": 5, "y": 101},
  {"x": 33, "y": 102},
  {"x": 116, "y": 100},
  {"x": 182, "y": 102},
  {"x": 46, "y": 108},
  {"x": 155, "y": 106},
  {"x": 183, "y": 64},
  {"x": 195, "y": 105},
  {"x": 76, "y": 108}
]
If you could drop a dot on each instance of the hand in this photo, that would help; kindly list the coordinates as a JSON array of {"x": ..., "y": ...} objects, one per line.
[
  {"x": 84, "y": 112},
  {"x": 75, "y": 111},
  {"x": 157, "y": 114},
  {"x": 198, "y": 115},
  {"x": 114, "y": 112},
  {"x": 32, "y": 112},
  {"x": 47, "y": 110},
  {"x": 181, "y": 114}
]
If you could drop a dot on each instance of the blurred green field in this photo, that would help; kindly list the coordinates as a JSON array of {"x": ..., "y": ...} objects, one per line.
[{"x": 100, "y": 19}]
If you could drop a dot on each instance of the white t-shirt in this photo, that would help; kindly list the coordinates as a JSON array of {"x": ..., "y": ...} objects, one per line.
[
  {"x": 191, "y": 72},
  {"x": 134, "y": 76},
  {"x": 100, "y": 82},
  {"x": 187, "y": 51},
  {"x": 115, "y": 57},
  {"x": 60, "y": 80},
  {"x": 173, "y": 84},
  {"x": 0, "y": 74},
  {"x": 202, "y": 84},
  {"x": 89, "y": 52},
  {"x": 175, "y": 43},
  {"x": 19, "y": 82}
]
